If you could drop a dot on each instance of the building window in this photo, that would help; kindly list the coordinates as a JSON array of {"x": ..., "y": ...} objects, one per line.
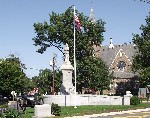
[{"x": 121, "y": 65}]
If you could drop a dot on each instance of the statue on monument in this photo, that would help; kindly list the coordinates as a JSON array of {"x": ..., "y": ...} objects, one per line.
[
  {"x": 66, "y": 68},
  {"x": 67, "y": 54}
]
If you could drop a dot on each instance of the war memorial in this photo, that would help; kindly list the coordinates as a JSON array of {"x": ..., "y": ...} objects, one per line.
[{"x": 68, "y": 97}]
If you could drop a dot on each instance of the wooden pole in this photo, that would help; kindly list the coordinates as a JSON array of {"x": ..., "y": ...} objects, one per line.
[{"x": 53, "y": 74}]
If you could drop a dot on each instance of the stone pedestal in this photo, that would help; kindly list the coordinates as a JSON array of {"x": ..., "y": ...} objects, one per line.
[{"x": 126, "y": 98}]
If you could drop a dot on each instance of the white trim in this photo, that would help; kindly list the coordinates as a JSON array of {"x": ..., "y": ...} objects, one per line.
[{"x": 122, "y": 55}]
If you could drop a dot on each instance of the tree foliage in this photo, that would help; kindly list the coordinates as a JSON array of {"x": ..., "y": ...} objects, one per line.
[
  {"x": 94, "y": 74},
  {"x": 60, "y": 31},
  {"x": 146, "y": 1},
  {"x": 12, "y": 75},
  {"x": 142, "y": 59},
  {"x": 44, "y": 81}
]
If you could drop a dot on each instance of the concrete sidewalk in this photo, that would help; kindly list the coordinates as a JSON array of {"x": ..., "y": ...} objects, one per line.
[{"x": 111, "y": 113}]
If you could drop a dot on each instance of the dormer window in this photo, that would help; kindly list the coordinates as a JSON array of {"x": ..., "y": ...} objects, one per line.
[{"x": 121, "y": 65}]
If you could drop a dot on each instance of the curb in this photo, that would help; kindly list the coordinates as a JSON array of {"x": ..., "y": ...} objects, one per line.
[{"x": 110, "y": 113}]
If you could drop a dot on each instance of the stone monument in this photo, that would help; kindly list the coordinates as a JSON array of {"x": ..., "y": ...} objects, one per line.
[
  {"x": 42, "y": 111},
  {"x": 67, "y": 87}
]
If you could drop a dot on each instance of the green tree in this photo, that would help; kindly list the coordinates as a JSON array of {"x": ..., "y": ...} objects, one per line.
[
  {"x": 58, "y": 80},
  {"x": 60, "y": 31},
  {"x": 142, "y": 59},
  {"x": 44, "y": 81},
  {"x": 95, "y": 74},
  {"x": 146, "y": 1},
  {"x": 12, "y": 76}
]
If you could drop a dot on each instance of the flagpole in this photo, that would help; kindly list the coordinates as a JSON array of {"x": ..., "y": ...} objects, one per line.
[{"x": 75, "y": 59}]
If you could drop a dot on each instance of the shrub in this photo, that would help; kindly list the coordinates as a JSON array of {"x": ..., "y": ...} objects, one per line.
[
  {"x": 11, "y": 113},
  {"x": 135, "y": 100},
  {"x": 55, "y": 109}
]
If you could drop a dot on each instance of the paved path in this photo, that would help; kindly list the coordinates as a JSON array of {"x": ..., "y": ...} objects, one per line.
[
  {"x": 142, "y": 114},
  {"x": 139, "y": 113}
]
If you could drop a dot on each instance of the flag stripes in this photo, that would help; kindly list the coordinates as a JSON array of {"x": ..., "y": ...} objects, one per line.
[{"x": 77, "y": 21}]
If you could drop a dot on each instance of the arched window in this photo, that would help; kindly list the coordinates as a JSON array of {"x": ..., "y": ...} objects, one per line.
[{"x": 121, "y": 65}]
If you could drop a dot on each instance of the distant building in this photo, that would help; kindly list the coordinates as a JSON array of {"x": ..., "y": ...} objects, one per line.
[{"x": 119, "y": 59}]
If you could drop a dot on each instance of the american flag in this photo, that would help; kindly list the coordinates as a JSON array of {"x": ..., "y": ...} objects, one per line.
[{"x": 77, "y": 21}]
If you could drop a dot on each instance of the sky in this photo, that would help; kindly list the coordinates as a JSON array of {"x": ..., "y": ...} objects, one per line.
[{"x": 123, "y": 18}]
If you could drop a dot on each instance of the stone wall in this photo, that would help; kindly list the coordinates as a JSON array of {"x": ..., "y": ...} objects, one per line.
[{"x": 88, "y": 99}]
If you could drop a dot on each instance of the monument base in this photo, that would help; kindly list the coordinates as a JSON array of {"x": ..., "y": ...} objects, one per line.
[{"x": 86, "y": 99}]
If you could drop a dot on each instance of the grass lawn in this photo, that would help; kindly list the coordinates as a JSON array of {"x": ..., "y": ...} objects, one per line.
[{"x": 92, "y": 109}]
